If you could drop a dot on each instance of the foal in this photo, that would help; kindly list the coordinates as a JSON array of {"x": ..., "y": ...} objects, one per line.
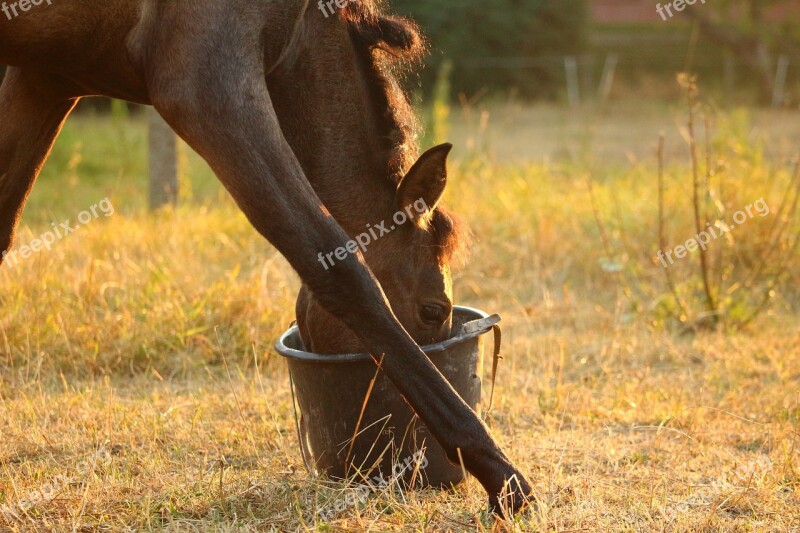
[{"x": 280, "y": 101}]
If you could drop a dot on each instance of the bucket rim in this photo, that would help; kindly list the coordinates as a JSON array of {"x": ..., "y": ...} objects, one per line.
[{"x": 466, "y": 335}]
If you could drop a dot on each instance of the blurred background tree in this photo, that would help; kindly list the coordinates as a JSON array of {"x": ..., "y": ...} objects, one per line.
[
  {"x": 476, "y": 36},
  {"x": 743, "y": 51},
  {"x": 741, "y": 26}
]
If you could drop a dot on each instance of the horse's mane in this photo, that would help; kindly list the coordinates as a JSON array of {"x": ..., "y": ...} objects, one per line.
[
  {"x": 392, "y": 45},
  {"x": 396, "y": 35}
]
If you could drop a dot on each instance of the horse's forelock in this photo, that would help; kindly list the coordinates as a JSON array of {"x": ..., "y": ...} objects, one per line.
[{"x": 450, "y": 236}]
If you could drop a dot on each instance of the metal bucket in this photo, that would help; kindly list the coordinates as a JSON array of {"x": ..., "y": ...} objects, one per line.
[{"x": 355, "y": 425}]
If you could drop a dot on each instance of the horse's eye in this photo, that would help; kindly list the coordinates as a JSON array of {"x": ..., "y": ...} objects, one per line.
[{"x": 434, "y": 315}]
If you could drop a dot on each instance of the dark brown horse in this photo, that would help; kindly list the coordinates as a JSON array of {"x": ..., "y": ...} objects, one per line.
[{"x": 276, "y": 97}]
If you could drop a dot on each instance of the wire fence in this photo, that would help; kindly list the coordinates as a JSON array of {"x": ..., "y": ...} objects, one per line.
[{"x": 594, "y": 75}]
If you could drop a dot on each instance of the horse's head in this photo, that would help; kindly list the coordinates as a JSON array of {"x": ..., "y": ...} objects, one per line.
[{"x": 410, "y": 251}]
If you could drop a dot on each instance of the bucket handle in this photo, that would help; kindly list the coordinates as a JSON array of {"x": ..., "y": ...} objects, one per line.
[
  {"x": 482, "y": 324},
  {"x": 301, "y": 432},
  {"x": 498, "y": 340}
]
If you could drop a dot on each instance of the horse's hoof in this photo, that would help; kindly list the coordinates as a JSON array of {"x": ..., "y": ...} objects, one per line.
[{"x": 516, "y": 497}]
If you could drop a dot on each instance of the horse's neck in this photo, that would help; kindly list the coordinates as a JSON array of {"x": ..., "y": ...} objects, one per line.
[{"x": 322, "y": 98}]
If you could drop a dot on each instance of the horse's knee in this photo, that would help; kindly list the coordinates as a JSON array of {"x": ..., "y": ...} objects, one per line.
[{"x": 350, "y": 292}]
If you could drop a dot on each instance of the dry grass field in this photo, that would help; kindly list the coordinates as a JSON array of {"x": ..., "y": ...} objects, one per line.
[{"x": 139, "y": 389}]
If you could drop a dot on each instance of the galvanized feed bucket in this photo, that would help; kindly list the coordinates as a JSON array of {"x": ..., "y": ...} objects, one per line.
[{"x": 353, "y": 423}]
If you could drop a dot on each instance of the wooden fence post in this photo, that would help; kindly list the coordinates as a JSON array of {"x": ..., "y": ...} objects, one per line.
[
  {"x": 573, "y": 83},
  {"x": 163, "y": 162}
]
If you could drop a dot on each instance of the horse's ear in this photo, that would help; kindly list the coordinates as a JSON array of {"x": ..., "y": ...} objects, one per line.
[{"x": 422, "y": 188}]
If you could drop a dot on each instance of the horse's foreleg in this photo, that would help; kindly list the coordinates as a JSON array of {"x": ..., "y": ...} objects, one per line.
[
  {"x": 222, "y": 108},
  {"x": 32, "y": 111}
]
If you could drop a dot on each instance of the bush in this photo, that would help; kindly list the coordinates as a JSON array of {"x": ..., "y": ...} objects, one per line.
[{"x": 726, "y": 238}]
